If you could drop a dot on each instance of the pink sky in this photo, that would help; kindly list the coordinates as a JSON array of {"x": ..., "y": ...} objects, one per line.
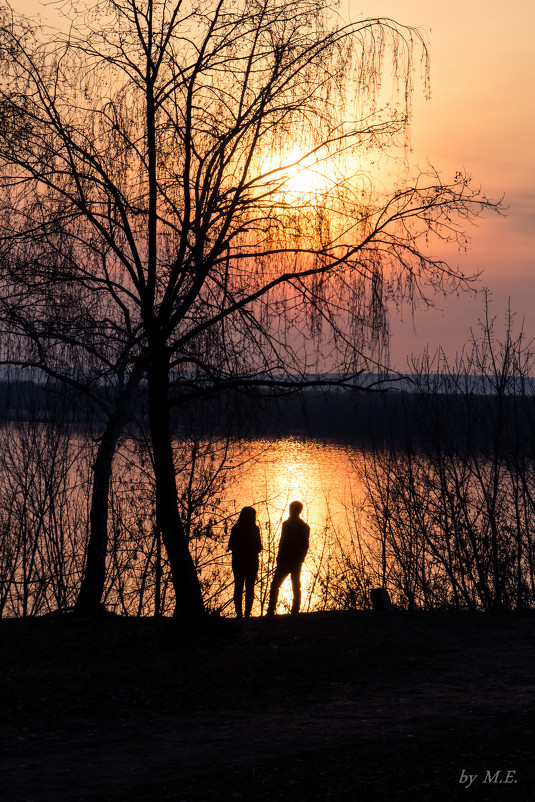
[{"x": 481, "y": 116}]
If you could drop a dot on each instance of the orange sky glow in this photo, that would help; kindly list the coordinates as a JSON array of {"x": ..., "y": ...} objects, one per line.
[{"x": 481, "y": 117}]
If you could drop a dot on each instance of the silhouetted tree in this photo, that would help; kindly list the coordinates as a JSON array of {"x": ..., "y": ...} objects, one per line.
[
  {"x": 54, "y": 331},
  {"x": 206, "y": 169},
  {"x": 450, "y": 504}
]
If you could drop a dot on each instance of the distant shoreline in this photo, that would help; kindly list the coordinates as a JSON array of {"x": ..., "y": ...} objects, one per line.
[{"x": 367, "y": 419}]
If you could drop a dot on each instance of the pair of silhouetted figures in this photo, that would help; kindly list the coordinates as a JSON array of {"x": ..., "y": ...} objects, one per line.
[{"x": 245, "y": 544}]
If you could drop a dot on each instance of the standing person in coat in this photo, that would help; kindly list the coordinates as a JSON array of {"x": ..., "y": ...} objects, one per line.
[
  {"x": 245, "y": 544},
  {"x": 293, "y": 548}
]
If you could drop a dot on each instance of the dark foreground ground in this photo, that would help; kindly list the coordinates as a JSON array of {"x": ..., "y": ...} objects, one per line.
[{"x": 327, "y": 706}]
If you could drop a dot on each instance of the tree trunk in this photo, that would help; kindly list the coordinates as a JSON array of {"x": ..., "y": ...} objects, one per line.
[
  {"x": 92, "y": 587},
  {"x": 188, "y": 596}
]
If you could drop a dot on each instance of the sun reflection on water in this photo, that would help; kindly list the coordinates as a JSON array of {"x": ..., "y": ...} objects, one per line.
[{"x": 320, "y": 475}]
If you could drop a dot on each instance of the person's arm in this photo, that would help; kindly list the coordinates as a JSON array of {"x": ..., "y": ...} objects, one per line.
[
  {"x": 283, "y": 544},
  {"x": 306, "y": 540}
]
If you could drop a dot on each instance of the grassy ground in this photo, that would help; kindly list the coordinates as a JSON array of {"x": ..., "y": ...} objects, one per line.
[{"x": 325, "y": 706}]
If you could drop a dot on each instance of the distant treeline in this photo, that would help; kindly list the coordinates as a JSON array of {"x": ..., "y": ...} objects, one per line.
[
  {"x": 395, "y": 418},
  {"x": 372, "y": 418},
  {"x": 23, "y": 399}
]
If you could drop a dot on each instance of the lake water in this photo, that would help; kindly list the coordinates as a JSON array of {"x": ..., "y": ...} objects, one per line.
[
  {"x": 452, "y": 528},
  {"x": 42, "y": 547}
]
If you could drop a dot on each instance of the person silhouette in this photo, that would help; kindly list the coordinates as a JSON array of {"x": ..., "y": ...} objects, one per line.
[
  {"x": 293, "y": 547},
  {"x": 245, "y": 544}
]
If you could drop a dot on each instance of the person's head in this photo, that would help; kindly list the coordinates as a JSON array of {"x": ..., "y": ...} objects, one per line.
[
  {"x": 247, "y": 516},
  {"x": 296, "y": 508}
]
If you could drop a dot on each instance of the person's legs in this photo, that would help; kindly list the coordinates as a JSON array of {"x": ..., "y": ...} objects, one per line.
[
  {"x": 296, "y": 587},
  {"x": 278, "y": 578},
  {"x": 239, "y": 579},
  {"x": 250, "y": 580}
]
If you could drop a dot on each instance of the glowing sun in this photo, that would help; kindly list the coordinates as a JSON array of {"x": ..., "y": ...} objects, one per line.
[{"x": 300, "y": 175}]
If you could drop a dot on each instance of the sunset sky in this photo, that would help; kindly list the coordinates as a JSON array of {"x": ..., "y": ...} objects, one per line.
[{"x": 481, "y": 117}]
